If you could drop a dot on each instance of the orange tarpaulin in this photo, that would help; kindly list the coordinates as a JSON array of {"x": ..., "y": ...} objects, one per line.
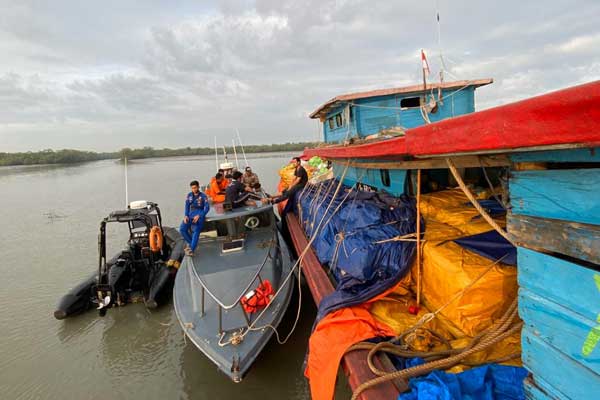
[{"x": 331, "y": 338}]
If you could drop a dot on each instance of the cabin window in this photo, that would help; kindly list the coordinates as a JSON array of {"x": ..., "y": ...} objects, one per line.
[
  {"x": 339, "y": 121},
  {"x": 410, "y": 102},
  {"x": 330, "y": 121},
  {"x": 385, "y": 177}
]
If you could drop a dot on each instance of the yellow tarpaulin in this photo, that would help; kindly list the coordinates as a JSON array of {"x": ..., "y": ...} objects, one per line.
[{"x": 447, "y": 275}]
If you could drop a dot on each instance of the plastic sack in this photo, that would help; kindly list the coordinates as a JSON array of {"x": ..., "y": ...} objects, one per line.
[
  {"x": 448, "y": 269},
  {"x": 452, "y": 207},
  {"x": 287, "y": 175}
]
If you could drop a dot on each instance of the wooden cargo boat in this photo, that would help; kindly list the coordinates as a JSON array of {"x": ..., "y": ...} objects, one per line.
[{"x": 549, "y": 146}]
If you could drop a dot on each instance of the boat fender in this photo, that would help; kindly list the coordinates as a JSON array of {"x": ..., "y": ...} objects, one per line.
[
  {"x": 256, "y": 299},
  {"x": 156, "y": 239}
]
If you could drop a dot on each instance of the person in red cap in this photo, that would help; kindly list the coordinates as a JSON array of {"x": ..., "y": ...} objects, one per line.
[{"x": 300, "y": 180}]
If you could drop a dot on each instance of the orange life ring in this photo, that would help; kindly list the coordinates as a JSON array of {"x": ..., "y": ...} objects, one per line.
[{"x": 156, "y": 239}]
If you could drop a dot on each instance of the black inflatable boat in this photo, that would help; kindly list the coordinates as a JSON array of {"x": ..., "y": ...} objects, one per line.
[{"x": 145, "y": 270}]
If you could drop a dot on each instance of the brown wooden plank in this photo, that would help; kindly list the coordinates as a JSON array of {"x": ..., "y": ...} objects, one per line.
[
  {"x": 437, "y": 163},
  {"x": 354, "y": 363},
  {"x": 569, "y": 238}
]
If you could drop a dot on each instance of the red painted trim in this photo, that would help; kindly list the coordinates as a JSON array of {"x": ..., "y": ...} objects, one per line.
[
  {"x": 569, "y": 116},
  {"x": 354, "y": 364},
  {"x": 368, "y": 150}
]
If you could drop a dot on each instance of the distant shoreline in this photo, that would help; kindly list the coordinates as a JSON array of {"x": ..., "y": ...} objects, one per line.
[{"x": 68, "y": 156}]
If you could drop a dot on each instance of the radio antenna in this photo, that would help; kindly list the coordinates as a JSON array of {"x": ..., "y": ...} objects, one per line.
[
  {"x": 237, "y": 164},
  {"x": 126, "y": 185},
  {"x": 241, "y": 145},
  {"x": 216, "y": 156}
]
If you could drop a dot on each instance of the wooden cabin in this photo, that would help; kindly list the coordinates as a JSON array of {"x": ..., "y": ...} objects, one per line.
[{"x": 386, "y": 113}]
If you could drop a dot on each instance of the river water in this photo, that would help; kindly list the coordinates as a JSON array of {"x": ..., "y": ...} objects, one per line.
[{"x": 49, "y": 218}]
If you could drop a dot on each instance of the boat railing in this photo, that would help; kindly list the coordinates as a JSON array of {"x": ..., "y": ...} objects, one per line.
[{"x": 238, "y": 301}]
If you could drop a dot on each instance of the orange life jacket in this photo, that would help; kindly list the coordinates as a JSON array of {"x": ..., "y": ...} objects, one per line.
[
  {"x": 215, "y": 190},
  {"x": 256, "y": 299}
]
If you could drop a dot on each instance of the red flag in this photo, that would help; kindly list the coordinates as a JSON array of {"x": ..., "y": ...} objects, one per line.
[{"x": 425, "y": 63}]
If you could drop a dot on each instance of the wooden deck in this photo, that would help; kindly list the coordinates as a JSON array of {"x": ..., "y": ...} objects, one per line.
[{"x": 354, "y": 364}]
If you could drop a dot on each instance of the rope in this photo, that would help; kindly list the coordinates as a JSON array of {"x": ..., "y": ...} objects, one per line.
[
  {"x": 297, "y": 264},
  {"x": 449, "y": 95},
  {"x": 489, "y": 182},
  {"x": 401, "y": 351},
  {"x": 409, "y": 237},
  {"x": 418, "y": 237},
  {"x": 475, "y": 203},
  {"x": 496, "y": 333}
]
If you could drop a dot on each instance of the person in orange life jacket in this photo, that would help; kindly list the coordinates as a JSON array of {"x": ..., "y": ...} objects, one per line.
[
  {"x": 237, "y": 194},
  {"x": 300, "y": 180},
  {"x": 226, "y": 177},
  {"x": 216, "y": 188},
  {"x": 196, "y": 208}
]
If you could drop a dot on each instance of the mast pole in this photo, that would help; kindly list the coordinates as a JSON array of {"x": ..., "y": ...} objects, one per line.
[
  {"x": 242, "y": 146},
  {"x": 237, "y": 164},
  {"x": 216, "y": 156},
  {"x": 126, "y": 185},
  {"x": 424, "y": 78}
]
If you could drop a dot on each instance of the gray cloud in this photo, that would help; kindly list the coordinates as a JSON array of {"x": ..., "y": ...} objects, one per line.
[{"x": 112, "y": 74}]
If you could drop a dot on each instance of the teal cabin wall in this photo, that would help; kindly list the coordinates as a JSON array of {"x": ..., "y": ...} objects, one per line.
[
  {"x": 372, "y": 115},
  {"x": 555, "y": 211},
  {"x": 372, "y": 178}
]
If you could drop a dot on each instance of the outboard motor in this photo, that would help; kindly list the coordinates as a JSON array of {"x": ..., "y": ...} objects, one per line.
[{"x": 111, "y": 293}]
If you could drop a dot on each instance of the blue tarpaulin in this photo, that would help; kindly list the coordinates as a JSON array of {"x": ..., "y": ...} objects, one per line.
[
  {"x": 492, "y": 207},
  {"x": 488, "y": 382},
  {"x": 490, "y": 245},
  {"x": 346, "y": 242}
]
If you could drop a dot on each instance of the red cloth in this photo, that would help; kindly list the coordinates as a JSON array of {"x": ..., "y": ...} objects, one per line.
[{"x": 331, "y": 338}]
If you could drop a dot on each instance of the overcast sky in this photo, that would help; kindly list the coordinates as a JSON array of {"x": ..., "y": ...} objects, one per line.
[{"x": 108, "y": 74}]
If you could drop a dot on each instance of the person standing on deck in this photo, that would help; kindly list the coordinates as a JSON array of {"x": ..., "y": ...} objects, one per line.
[
  {"x": 250, "y": 179},
  {"x": 237, "y": 194},
  {"x": 196, "y": 208},
  {"x": 299, "y": 182}
]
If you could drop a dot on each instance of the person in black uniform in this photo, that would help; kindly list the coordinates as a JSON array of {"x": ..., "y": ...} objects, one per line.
[
  {"x": 237, "y": 194},
  {"x": 298, "y": 184}
]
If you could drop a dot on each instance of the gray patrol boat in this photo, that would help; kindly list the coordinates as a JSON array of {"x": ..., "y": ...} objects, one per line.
[{"x": 239, "y": 251}]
